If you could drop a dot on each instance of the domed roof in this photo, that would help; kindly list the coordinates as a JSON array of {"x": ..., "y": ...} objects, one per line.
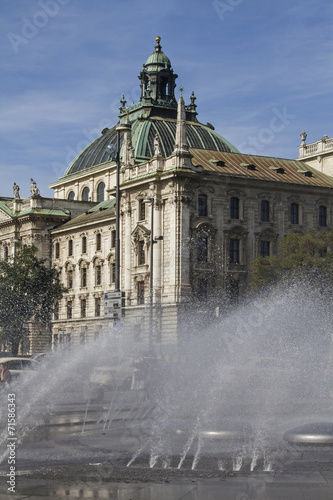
[
  {"x": 157, "y": 60},
  {"x": 199, "y": 136},
  {"x": 154, "y": 114}
]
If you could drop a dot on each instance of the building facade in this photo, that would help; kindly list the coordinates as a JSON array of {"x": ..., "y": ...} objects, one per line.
[
  {"x": 193, "y": 214},
  {"x": 317, "y": 154}
]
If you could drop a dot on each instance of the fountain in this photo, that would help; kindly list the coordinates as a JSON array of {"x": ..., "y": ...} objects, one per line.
[{"x": 224, "y": 400}]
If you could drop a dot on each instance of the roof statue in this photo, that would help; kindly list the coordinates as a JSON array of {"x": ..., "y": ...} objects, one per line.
[
  {"x": 16, "y": 191},
  {"x": 34, "y": 189},
  {"x": 157, "y": 146}
]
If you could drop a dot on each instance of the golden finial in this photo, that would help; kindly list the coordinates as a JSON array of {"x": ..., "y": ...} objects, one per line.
[
  {"x": 181, "y": 91},
  {"x": 158, "y": 39}
]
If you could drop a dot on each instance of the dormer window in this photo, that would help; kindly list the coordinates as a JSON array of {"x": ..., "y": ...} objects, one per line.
[{"x": 249, "y": 166}]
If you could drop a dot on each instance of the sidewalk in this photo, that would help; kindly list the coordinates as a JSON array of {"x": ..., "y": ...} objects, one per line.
[{"x": 256, "y": 486}]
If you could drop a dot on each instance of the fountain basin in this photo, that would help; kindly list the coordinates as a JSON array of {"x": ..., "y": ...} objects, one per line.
[{"x": 320, "y": 433}]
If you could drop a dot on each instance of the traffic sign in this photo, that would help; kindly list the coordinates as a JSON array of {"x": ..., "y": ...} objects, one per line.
[{"x": 113, "y": 295}]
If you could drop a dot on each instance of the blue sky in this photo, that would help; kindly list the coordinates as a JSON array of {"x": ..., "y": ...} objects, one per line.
[{"x": 261, "y": 71}]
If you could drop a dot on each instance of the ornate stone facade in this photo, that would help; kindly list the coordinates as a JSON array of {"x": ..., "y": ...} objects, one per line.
[{"x": 214, "y": 210}]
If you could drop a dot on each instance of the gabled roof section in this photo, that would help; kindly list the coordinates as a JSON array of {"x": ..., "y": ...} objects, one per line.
[
  {"x": 103, "y": 210},
  {"x": 262, "y": 168},
  {"x": 5, "y": 211}
]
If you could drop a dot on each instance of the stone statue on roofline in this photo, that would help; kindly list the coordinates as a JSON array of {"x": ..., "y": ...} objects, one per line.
[
  {"x": 157, "y": 146},
  {"x": 16, "y": 190},
  {"x": 34, "y": 189}
]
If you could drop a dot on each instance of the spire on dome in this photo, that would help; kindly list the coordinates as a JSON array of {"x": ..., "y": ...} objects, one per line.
[{"x": 181, "y": 145}]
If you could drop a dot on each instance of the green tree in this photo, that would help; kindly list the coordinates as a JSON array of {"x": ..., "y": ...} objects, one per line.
[
  {"x": 299, "y": 256},
  {"x": 28, "y": 292}
]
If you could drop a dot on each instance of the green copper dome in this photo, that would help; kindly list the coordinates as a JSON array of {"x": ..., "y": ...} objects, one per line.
[
  {"x": 154, "y": 114},
  {"x": 143, "y": 133},
  {"x": 157, "y": 60}
]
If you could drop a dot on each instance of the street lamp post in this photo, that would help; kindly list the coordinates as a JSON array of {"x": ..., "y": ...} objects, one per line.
[
  {"x": 120, "y": 129},
  {"x": 151, "y": 280}
]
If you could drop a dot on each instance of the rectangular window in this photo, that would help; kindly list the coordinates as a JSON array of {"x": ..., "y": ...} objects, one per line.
[
  {"x": 82, "y": 338},
  {"x": 322, "y": 216},
  {"x": 202, "y": 249},
  {"x": 264, "y": 215},
  {"x": 98, "y": 275},
  {"x": 234, "y": 251},
  {"x": 56, "y": 311},
  {"x": 202, "y": 205},
  {"x": 113, "y": 239},
  {"x": 141, "y": 253},
  {"x": 83, "y": 308},
  {"x": 98, "y": 242},
  {"x": 57, "y": 250},
  {"x": 69, "y": 309},
  {"x": 234, "y": 208},
  {"x": 264, "y": 248},
  {"x": 113, "y": 272},
  {"x": 84, "y": 277},
  {"x": 70, "y": 247},
  {"x": 142, "y": 210},
  {"x": 141, "y": 292},
  {"x": 294, "y": 213},
  {"x": 84, "y": 244},
  {"x": 70, "y": 279},
  {"x": 97, "y": 307}
]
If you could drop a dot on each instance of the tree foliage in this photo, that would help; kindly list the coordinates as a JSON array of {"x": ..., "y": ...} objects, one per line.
[
  {"x": 299, "y": 256},
  {"x": 28, "y": 292}
]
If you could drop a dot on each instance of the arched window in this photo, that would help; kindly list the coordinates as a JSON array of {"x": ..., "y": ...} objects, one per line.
[
  {"x": 322, "y": 216},
  {"x": 71, "y": 195},
  {"x": 100, "y": 192},
  {"x": 85, "y": 194},
  {"x": 294, "y": 213}
]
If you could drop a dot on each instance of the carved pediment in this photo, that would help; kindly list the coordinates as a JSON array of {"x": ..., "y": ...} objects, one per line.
[
  {"x": 140, "y": 232},
  {"x": 4, "y": 217}
]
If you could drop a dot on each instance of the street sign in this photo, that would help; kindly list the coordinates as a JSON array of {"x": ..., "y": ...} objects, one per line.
[
  {"x": 112, "y": 303},
  {"x": 113, "y": 295},
  {"x": 112, "y": 313}
]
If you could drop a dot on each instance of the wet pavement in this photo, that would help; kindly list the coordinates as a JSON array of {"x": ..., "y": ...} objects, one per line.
[
  {"x": 77, "y": 453},
  {"x": 309, "y": 485}
]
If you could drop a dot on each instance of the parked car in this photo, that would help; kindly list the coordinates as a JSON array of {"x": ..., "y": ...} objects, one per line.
[
  {"x": 17, "y": 365},
  {"x": 112, "y": 377}
]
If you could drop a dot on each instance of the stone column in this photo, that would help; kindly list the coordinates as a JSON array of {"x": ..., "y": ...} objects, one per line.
[{"x": 157, "y": 256}]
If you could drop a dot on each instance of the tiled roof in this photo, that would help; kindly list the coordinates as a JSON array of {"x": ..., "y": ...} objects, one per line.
[
  {"x": 101, "y": 211},
  {"x": 260, "y": 167}
]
